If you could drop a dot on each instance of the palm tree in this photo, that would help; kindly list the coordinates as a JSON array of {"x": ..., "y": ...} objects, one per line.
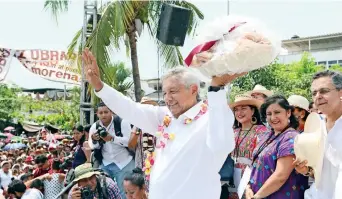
[{"x": 118, "y": 24}]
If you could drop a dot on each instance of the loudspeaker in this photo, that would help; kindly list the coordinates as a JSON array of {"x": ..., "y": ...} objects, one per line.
[{"x": 173, "y": 24}]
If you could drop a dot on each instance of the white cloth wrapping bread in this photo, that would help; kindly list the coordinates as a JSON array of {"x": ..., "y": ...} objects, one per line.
[{"x": 247, "y": 47}]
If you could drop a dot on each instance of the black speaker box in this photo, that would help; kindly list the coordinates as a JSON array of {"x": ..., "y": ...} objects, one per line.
[{"x": 173, "y": 24}]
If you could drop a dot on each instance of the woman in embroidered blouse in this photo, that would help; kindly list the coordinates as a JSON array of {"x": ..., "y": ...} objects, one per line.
[
  {"x": 248, "y": 128},
  {"x": 273, "y": 175}
]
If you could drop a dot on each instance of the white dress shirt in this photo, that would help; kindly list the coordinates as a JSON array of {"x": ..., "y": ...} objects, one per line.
[
  {"x": 5, "y": 178},
  {"x": 330, "y": 187},
  {"x": 114, "y": 151},
  {"x": 188, "y": 166}
]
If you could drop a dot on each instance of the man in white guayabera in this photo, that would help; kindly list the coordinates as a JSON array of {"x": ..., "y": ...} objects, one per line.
[{"x": 193, "y": 137}]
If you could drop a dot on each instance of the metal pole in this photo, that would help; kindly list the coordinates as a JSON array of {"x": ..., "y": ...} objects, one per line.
[
  {"x": 158, "y": 74},
  {"x": 227, "y": 7}
]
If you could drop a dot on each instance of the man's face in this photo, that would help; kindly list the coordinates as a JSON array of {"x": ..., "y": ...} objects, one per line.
[
  {"x": 177, "y": 96},
  {"x": 104, "y": 114},
  {"x": 43, "y": 165},
  {"x": 325, "y": 96},
  {"x": 91, "y": 182},
  {"x": 6, "y": 167}
]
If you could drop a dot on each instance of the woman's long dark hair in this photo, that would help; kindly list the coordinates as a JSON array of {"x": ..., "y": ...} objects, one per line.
[
  {"x": 283, "y": 103},
  {"x": 79, "y": 128},
  {"x": 256, "y": 115}
]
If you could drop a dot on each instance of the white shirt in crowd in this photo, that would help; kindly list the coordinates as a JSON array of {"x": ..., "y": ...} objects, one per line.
[
  {"x": 5, "y": 178},
  {"x": 32, "y": 194},
  {"x": 330, "y": 185},
  {"x": 114, "y": 151},
  {"x": 188, "y": 166}
]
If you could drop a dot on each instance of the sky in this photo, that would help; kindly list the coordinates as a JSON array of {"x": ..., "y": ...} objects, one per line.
[{"x": 26, "y": 25}]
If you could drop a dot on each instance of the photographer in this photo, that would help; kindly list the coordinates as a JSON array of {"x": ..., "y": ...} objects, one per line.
[
  {"x": 109, "y": 137},
  {"x": 91, "y": 184}
]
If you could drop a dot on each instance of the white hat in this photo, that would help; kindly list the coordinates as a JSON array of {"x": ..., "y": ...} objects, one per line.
[
  {"x": 260, "y": 89},
  {"x": 310, "y": 144},
  {"x": 299, "y": 101},
  {"x": 245, "y": 100}
]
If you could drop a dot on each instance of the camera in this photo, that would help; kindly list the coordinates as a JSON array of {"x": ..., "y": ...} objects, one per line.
[
  {"x": 102, "y": 132},
  {"x": 87, "y": 193}
]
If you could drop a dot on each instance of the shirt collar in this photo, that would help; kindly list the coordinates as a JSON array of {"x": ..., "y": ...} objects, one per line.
[{"x": 192, "y": 112}]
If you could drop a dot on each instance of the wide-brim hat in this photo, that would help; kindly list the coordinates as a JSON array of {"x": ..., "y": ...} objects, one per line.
[
  {"x": 147, "y": 100},
  {"x": 309, "y": 145},
  {"x": 299, "y": 101},
  {"x": 260, "y": 89},
  {"x": 243, "y": 100},
  {"x": 84, "y": 171}
]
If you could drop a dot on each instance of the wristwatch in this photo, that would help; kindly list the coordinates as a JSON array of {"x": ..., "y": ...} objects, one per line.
[
  {"x": 310, "y": 172},
  {"x": 215, "y": 88}
]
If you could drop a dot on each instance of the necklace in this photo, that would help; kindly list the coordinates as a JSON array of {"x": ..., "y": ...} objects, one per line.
[{"x": 164, "y": 138}]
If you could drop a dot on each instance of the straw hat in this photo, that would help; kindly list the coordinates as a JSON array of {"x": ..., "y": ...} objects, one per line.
[
  {"x": 260, "y": 89},
  {"x": 310, "y": 144},
  {"x": 245, "y": 99},
  {"x": 147, "y": 100},
  {"x": 299, "y": 101},
  {"x": 84, "y": 171}
]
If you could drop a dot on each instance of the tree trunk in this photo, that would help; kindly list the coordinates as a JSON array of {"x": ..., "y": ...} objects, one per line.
[{"x": 135, "y": 66}]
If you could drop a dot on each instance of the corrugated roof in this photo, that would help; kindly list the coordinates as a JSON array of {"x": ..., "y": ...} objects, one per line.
[{"x": 339, "y": 34}]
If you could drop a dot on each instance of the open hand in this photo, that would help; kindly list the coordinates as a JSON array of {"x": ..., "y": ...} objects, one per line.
[
  {"x": 225, "y": 79},
  {"x": 91, "y": 70},
  {"x": 301, "y": 166}
]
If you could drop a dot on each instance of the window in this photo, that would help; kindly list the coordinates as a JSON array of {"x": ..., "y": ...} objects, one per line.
[
  {"x": 330, "y": 63},
  {"x": 322, "y": 63},
  {"x": 340, "y": 62}
]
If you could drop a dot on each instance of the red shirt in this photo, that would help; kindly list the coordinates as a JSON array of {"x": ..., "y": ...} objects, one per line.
[{"x": 39, "y": 172}]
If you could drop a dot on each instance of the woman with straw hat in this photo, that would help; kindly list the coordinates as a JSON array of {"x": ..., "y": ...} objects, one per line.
[
  {"x": 301, "y": 109},
  {"x": 248, "y": 128}
]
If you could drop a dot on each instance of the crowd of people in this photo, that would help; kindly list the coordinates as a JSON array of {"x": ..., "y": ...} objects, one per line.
[{"x": 187, "y": 149}]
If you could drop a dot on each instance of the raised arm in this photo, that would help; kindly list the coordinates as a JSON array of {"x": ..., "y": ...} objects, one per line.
[
  {"x": 220, "y": 135},
  {"x": 144, "y": 116}
]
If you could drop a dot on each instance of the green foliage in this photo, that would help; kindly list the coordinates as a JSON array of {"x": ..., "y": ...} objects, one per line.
[
  {"x": 284, "y": 79},
  {"x": 8, "y": 101},
  {"x": 116, "y": 76},
  {"x": 64, "y": 114}
]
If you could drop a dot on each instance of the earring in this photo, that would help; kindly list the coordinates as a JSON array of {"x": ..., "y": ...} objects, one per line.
[
  {"x": 289, "y": 121},
  {"x": 254, "y": 120}
]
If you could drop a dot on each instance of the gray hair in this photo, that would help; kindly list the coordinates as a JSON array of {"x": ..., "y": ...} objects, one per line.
[
  {"x": 335, "y": 76},
  {"x": 185, "y": 76}
]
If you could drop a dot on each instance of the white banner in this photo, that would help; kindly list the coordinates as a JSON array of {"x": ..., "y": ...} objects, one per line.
[
  {"x": 53, "y": 65},
  {"x": 6, "y": 56}
]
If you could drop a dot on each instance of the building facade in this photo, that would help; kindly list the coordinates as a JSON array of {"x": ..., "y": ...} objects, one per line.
[{"x": 326, "y": 49}]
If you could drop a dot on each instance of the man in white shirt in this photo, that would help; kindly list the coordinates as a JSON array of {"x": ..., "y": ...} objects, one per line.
[
  {"x": 116, "y": 159},
  {"x": 5, "y": 174},
  {"x": 327, "y": 92},
  {"x": 196, "y": 138}
]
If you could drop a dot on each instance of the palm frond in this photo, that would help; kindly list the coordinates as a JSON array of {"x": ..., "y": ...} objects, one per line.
[{"x": 57, "y": 7}]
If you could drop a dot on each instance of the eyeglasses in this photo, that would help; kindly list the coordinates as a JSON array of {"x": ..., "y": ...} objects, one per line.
[{"x": 322, "y": 91}]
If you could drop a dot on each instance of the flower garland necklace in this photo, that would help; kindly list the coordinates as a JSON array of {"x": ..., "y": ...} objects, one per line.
[{"x": 164, "y": 137}]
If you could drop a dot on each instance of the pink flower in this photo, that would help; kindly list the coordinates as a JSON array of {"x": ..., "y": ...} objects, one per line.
[
  {"x": 161, "y": 144},
  {"x": 166, "y": 135},
  {"x": 160, "y": 128}
]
